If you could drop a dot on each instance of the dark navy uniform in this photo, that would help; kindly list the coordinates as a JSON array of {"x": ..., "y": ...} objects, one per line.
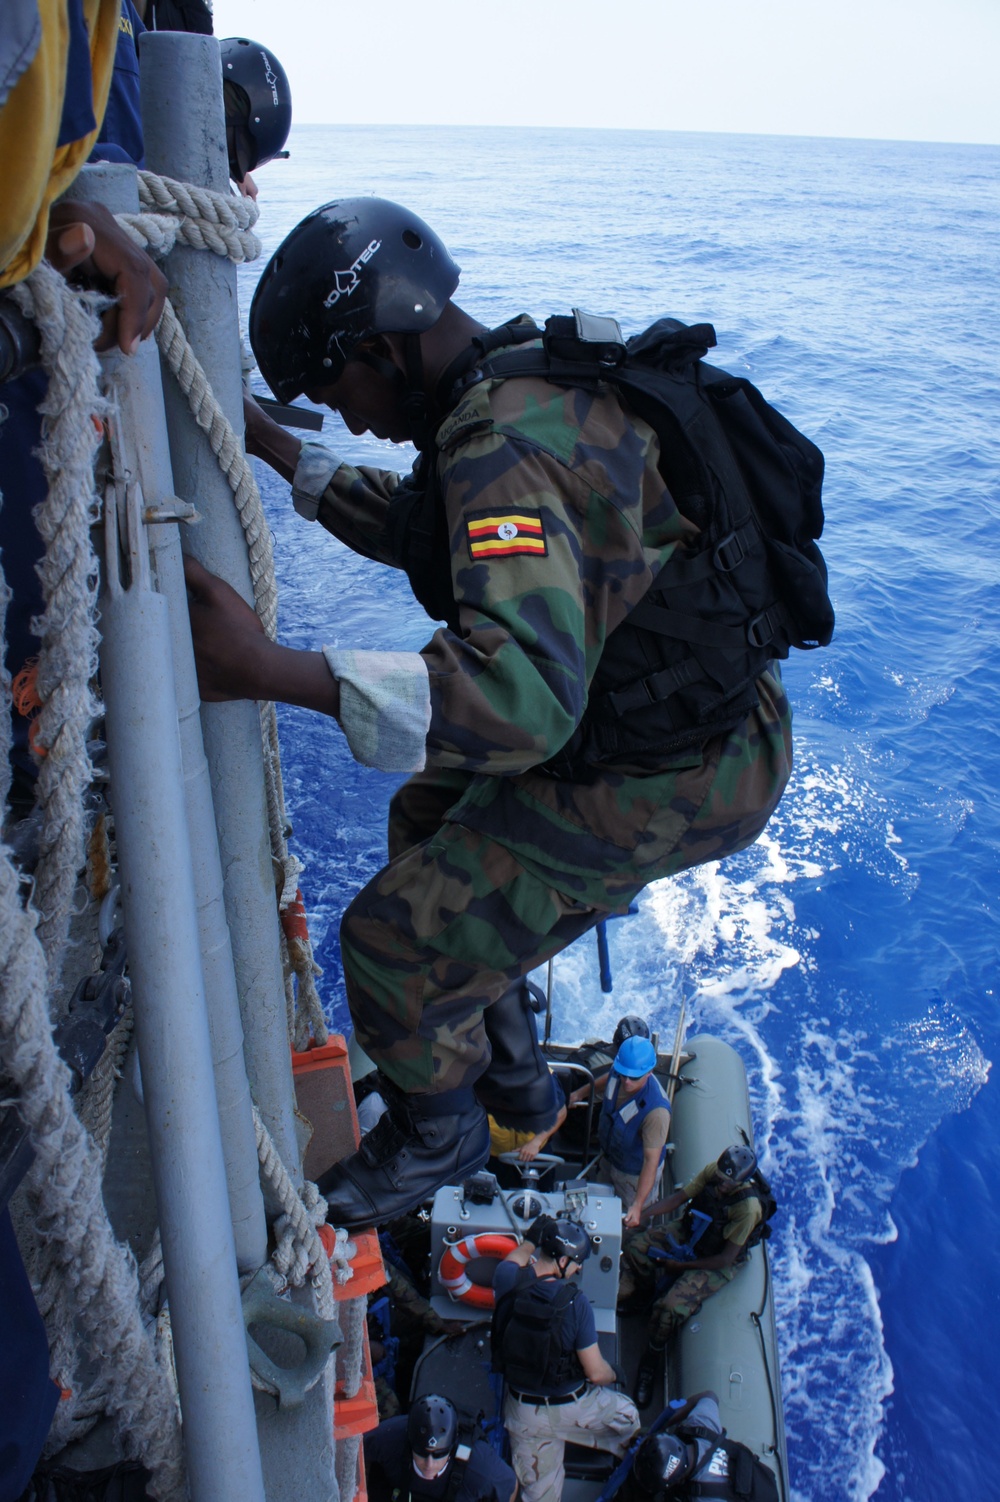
[{"x": 392, "y": 1477}]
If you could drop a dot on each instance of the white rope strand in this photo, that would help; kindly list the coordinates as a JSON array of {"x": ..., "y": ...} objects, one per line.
[
  {"x": 91, "y": 1277},
  {"x": 67, "y": 662},
  {"x": 220, "y": 222},
  {"x": 228, "y": 450},
  {"x": 96, "y": 1275},
  {"x": 300, "y": 1253}
]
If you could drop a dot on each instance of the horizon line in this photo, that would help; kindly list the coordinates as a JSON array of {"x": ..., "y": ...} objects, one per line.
[{"x": 665, "y": 130}]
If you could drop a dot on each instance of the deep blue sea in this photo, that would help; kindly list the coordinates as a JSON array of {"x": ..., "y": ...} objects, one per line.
[{"x": 851, "y": 955}]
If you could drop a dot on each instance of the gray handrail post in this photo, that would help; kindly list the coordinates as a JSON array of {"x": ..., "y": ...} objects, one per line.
[
  {"x": 171, "y": 1014},
  {"x": 139, "y": 393},
  {"x": 184, "y": 131},
  {"x": 161, "y": 923}
]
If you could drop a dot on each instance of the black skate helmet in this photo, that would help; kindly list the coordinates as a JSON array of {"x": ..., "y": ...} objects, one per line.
[
  {"x": 353, "y": 268},
  {"x": 432, "y": 1426},
  {"x": 661, "y": 1463},
  {"x": 258, "y": 104},
  {"x": 737, "y": 1164},
  {"x": 564, "y": 1238},
  {"x": 631, "y": 1026}
]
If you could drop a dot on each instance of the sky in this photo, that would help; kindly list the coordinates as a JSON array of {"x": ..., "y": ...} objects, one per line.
[{"x": 923, "y": 70}]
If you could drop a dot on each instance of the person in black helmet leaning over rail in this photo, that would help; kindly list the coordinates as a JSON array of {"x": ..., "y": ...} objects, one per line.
[
  {"x": 544, "y": 1342},
  {"x": 258, "y": 108},
  {"x": 424, "y": 1457},
  {"x": 534, "y": 522}
]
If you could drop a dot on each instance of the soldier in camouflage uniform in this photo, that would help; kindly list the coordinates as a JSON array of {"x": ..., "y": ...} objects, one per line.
[
  {"x": 556, "y": 520},
  {"x": 721, "y": 1191},
  {"x": 411, "y": 1319}
]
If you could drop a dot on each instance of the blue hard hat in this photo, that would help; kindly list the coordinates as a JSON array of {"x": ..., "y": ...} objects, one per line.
[{"x": 636, "y": 1057}]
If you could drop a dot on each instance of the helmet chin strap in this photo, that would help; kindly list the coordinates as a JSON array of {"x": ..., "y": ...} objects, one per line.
[
  {"x": 409, "y": 387},
  {"x": 415, "y": 402}
]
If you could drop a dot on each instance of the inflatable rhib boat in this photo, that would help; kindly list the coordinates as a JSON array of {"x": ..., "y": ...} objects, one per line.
[{"x": 730, "y": 1346}]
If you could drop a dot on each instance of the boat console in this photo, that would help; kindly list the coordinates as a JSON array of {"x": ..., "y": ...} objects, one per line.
[{"x": 479, "y": 1207}]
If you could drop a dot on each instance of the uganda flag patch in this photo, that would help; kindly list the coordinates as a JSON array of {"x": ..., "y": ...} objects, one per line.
[{"x": 504, "y": 534}]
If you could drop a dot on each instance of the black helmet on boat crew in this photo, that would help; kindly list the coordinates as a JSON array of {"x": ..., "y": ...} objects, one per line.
[
  {"x": 432, "y": 1426},
  {"x": 631, "y": 1026},
  {"x": 258, "y": 104},
  {"x": 564, "y": 1238},
  {"x": 738, "y": 1163},
  {"x": 662, "y": 1462},
  {"x": 351, "y": 269}
]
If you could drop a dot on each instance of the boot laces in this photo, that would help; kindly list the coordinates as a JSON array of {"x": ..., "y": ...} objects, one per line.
[{"x": 383, "y": 1141}]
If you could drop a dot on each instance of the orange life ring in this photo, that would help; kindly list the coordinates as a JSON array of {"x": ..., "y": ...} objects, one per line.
[{"x": 454, "y": 1260}]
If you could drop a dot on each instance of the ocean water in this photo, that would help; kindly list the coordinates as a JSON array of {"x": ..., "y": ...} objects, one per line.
[{"x": 851, "y": 955}]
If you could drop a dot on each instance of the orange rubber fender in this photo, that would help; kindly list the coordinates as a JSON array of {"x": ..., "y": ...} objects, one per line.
[
  {"x": 454, "y": 1260},
  {"x": 293, "y": 919}
]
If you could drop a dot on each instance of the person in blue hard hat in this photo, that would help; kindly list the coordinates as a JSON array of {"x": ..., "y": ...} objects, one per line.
[{"x": 633, "y": 1126}]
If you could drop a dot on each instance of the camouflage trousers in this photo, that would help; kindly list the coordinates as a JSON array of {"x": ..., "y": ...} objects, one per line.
[
  {"x": 440, "y": 934},
  {"x": 686, "y": 1294},
  {"x": 601, "y": 1419},
  {"x": 389, "y": 1406},
  {"x": 464, "y": 909}
]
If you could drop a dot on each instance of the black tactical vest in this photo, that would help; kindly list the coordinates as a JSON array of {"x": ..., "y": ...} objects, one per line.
[
  {"x": 711, "y": 1201},
  {"x": 682, "y": 667},
  {"x": 531, "y": 1337}
]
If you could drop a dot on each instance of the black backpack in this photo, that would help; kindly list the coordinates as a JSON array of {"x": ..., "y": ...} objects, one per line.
[
  {"x": 769, "y": 1208},
  {"x": 528, "y": 1337},
  {"x": 748, "y": 1479},
  {"x": 682, "y": 666}
]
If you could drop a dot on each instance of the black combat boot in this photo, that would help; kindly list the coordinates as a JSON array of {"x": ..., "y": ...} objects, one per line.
[
  {"x": 517, "y": 1088},
  {"x": 421, "y": 1143},
  {"x": 649, "y": 1370}
]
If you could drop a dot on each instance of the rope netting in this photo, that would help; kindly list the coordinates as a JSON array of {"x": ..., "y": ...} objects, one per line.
[
  {"x": 87, "y": 1281},
  {"x": 97, "y": 1309}
]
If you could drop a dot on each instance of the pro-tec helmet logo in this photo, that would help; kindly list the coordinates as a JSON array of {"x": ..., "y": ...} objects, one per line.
[
  {"x": 271, "y": 77},
  {"x": 344, "y": 282}
]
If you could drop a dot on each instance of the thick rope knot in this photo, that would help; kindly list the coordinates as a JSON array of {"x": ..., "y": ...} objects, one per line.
[
  {"x": 300, "y": 1252},
  {"x": 219, "y": 222}
]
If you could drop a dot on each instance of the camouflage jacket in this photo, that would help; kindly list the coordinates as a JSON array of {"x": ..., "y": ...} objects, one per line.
[{"x": 558, "y": 520}]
